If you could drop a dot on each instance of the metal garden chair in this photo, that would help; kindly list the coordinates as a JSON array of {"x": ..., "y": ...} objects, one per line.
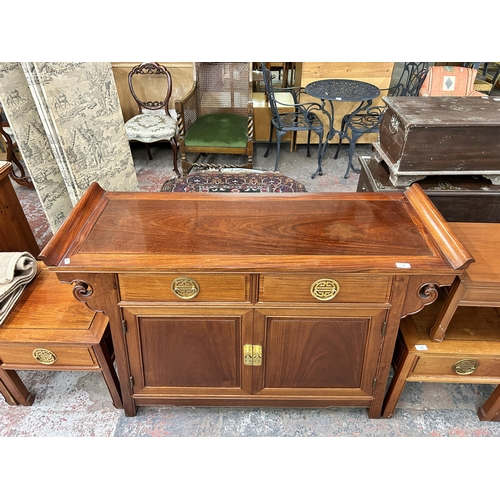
[{"x": 302, "y": 118}]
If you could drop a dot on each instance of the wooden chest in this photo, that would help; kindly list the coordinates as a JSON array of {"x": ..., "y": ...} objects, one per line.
[
  {"x": 421, "y": 136},
  {"x": 459, "y": 198}
]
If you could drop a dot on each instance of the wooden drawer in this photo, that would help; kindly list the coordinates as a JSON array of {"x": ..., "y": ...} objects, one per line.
[
  {"x": 300, "y": 288},
  {"x": 14, "y": 356},
  {"x": 487, "y": 369},
  {"x": 481, "y": 295},
  {"x": 210, "y": 287}
]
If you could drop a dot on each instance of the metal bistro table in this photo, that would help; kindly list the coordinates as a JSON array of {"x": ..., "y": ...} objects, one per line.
[{"x": 340, "y": 90}]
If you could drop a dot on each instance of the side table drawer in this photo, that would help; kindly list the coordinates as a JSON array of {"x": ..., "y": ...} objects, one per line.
[
  {"x": 466, "y": 368},
  {"x": 325, "y": 288},
  {"x": 14, "y": 356},
  {"x": 185, "y": 287}
]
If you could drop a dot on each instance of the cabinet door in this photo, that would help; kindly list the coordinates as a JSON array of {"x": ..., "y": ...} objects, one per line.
[
  {"x": 325, "y": 354},
  {"x": 190, "y": 352}
]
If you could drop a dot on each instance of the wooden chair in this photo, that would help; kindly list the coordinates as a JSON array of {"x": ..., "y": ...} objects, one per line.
[
  {"x": 18, "y": 172},
  {"x": 216, "y": 115},
  {"x": 154, "y": 122}
]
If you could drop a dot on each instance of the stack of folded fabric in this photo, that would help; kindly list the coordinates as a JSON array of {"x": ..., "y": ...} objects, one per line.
[{"x": 17, "y": 269}]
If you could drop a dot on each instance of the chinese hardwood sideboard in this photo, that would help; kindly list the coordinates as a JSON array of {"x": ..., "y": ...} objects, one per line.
[{"x": 282, "y": 300}]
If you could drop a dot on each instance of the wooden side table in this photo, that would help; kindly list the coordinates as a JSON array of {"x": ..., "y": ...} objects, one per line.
[
  {"x": 470, "y": 354},
  {"x": 479, "y": 285},
  {"x": 49, "y": 330}
]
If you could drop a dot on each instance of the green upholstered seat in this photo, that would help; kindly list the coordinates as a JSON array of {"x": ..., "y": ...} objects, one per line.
[{"x": 218, "y": 129}]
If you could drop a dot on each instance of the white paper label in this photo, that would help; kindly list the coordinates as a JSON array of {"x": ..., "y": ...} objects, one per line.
[
  {"x": 67, "y": 260},
  {"x": 403, "y": 265},
  {"x": 421, "y": 347}
]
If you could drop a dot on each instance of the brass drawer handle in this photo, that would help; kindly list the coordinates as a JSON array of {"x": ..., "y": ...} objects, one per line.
[
  {"x": 185, "y": 288},
  {"x": 44, "y": 356},
  {"x": 465, "y": 366},
  {"x": 325, "y": 289}
]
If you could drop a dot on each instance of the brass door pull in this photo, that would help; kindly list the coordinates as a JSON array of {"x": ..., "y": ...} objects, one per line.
[
  {"x": 325, "y": 289},
  {"x": 465, "y": 366},
  {"x": 44, "y": 356},
  {"x": 185, "y": 288}
]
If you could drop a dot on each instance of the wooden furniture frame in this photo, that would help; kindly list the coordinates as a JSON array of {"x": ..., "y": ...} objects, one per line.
[
  {"x": 480, "y": 284},
  {"x": 49, "y": 330},
  {"x": 290, "y": 300},
  {"x": 15, "y": 232},
  {"x": 219, "y": 89},
  {"x": 470, "y": 355}
]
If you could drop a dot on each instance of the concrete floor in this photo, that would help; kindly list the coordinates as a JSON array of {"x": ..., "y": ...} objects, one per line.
[{"x": 74, "y": 404}]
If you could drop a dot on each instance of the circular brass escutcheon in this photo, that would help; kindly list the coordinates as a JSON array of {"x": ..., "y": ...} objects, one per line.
[
  {"x": 185, "y": 288},
  {"x": 325, "y": 289},
  {"x": 465, "y": 366},
  {"x": 44, "y": 356}
]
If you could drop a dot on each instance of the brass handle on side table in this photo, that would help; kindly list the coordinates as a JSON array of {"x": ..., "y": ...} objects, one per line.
[
  {"x": 465, "y": 366},
  {"x": 44, "y": 356},
  {"x": 325, "y": 289},
  {"x": 185, "y": 288}
]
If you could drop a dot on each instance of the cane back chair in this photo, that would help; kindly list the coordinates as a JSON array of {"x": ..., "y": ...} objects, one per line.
[
  {"x": 216, "y": 115},
  {"x": 301, "y": 118},
  {"x": 367, "y": 119},
  {"x": 151, "y": 87}
]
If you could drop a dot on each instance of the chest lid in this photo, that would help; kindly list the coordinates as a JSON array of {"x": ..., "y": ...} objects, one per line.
[{"x": 445, "y": 111}]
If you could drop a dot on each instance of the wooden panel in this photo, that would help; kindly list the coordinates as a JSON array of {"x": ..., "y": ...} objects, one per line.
[
  {"x": 297, "y": 288},
  {"x": 18, "y": 356},
  {"x": 314, "y": 353},
  {"x": 172, "y": 350},
  {"x": 213, "y": 287}
]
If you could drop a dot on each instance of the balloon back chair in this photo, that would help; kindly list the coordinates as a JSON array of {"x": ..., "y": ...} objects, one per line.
[
  {"x": 367, "y": 119},
  {"x": 216, "y": 116},
  {"x": 151, "y": 87},
  {"x": 18, "y": 172},
  {"x": 302, "y": 118}
]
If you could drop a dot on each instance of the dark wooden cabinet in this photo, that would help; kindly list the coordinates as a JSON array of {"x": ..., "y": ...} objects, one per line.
[
  {"x": 255, "y": 300},
  {"x": 459, "y": 198}
]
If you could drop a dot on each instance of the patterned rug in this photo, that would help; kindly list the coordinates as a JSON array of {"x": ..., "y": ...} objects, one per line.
[{"x": 234, "y": 182}]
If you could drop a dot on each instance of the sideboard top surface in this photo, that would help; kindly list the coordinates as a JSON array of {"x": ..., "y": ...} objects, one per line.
[{"x": 304, "y": 231}]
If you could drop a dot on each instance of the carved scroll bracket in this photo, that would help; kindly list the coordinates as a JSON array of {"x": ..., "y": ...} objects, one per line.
[
  {"x": 90, "y": 289},
  {"x": 422, "y": 291}
]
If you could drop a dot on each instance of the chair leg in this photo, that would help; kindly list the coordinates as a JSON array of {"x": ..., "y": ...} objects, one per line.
[
  {"x": 341, "y": 135},
  {"x": 173, "y": 143},
  {"x": 270, "y": 140},
  {"x": 279, "y": 135},
  {"x": 149, "y": 152},
  {"x": 352, "y": 146},
  {"x": 319, "y": 170},
  {"x": 308, "y": 143}
]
